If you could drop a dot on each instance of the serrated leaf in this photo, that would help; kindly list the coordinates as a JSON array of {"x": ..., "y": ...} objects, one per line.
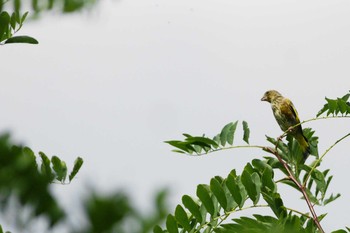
[
  {"x": 182, "y": 218},
  {"x": 331, "y": 198},
  {"x": 77, "y": 165},
  {"x": 342, "y": 106},
  {"x": 219, "y": 193},
  {"x": 332, "y": 106},
  {"x": 21, "y": 39},
  {"x": 324, "y": 109},
  {"x": 319, "y": 179},
  {"x": 203, "y": 195},
  {"x": 193, "y": 207},
  {"x": 246, "y": 131},
  {"x": 171, "y": 224}
]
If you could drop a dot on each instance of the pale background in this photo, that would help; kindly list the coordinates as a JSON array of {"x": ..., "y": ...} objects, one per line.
[{"x": 111, "y": 84}]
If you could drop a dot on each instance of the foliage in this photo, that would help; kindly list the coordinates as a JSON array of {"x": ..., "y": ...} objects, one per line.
[
  {"x": 38, "y": 6},
  {"x": 115, "y": 213},
  {"x": 257, "y": 186},
  {"x": 11, "y": 24},
  {"x": 23, "y": 178},
  {"x": 336, "y": 106}
]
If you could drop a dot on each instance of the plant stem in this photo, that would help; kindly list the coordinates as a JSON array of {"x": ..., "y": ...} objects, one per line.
[
  {"x": 318, "y": 161},
  {"x": 298, "y": 184}
]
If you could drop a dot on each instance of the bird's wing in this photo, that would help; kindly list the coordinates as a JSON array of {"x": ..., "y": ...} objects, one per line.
[{"x": 290, "y": 111}]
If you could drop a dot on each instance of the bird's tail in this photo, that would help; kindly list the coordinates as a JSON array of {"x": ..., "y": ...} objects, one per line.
[{"x": 304, "y": 144}]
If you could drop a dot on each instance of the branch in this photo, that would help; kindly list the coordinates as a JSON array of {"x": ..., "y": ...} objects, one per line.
[
  {"x": 298, "y": 184},
  {"x": 309, "y": 120}
]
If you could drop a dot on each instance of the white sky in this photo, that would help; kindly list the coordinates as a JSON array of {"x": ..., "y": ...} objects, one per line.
[{"x": 111, "y": 85}]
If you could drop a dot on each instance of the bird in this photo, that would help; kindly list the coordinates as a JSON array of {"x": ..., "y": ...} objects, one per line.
[{"x": 287, "y": 116}]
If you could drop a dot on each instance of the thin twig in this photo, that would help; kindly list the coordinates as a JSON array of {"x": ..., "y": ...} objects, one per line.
[{"x": 318, "y": 161}]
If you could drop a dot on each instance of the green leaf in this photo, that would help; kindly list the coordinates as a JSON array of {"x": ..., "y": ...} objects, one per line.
[
  {"x": 206, "y": 141},
  {"x": 193, "y": 207},
  {"x": 24, "y": 16},
  {"x": 156, "y": 229},
  {"x": 204, "y": 212},
  {"x": 331, "y": 198},
  {"x": 45, "y": 166},
  {"x": 332, "y": 106},
  {"x": 219, "y": 193},
  {"x": 324, "y": 109},
  {"x": 319, "y": 179},
  {"x": 246, "y": 132},
  {"x": 21, "y": 39},
  {"x": 231, "y": 133},
  {"x": 227, "y": 133},
  {"x": 217, "y": 140},
  {"x": 339, "y": 231},
  {"x": 267, "y": 180},
  {"x": 60, "y": 168},
  {"x": 275, "y": 203},
  {"x": 182, "y": 218},
  {"x": 252, "y": 184},
  {"x": 17, "y": 5},
  {"x": 171, "y": 224},
  {"x": 203, "y": 195},
  {"x": 4, "y": 24},
  {"x": 342, "y": 105},
  {"x": 13, "y": 21},
  {"x": 184, "y": 146},
  {"x": 237, "y": 189},
  {"x": 77, "y": 165}
]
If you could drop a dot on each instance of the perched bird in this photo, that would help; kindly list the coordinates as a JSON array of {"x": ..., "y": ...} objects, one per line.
[{"x": 287, "y": 116}]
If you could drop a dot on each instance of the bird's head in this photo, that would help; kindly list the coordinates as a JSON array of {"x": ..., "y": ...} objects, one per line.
[{"x": 270, "y": 96}]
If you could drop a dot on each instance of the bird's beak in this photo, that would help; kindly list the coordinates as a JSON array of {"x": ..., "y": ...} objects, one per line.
[{"x": 264, "y": 98}]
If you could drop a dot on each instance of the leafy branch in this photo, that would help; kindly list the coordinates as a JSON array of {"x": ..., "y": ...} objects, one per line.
[
  {"x": 10, "y": 25},
  {"x": 223, "y": 197}
]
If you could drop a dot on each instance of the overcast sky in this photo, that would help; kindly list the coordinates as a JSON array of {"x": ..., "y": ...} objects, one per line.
[{"x": 112, "y": 84}]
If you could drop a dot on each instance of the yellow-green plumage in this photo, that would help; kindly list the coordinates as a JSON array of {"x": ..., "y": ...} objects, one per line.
[{"x": 287, "y": 116}]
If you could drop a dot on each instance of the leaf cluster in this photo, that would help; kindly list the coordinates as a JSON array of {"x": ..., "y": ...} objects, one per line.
[
  {"x": 21, "y": 177},
  {"x": 56, "y": 170},
  {"x": 199, "y": 145},
  {"x": 10, "y": 24},
  {"x": 208, "y": 212},
  {"x": 38, "y": 6},
  {"x": 338, "y": 106},
  {"x": 115, "y": 213},
  {"x": 224, "y": 196}
]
